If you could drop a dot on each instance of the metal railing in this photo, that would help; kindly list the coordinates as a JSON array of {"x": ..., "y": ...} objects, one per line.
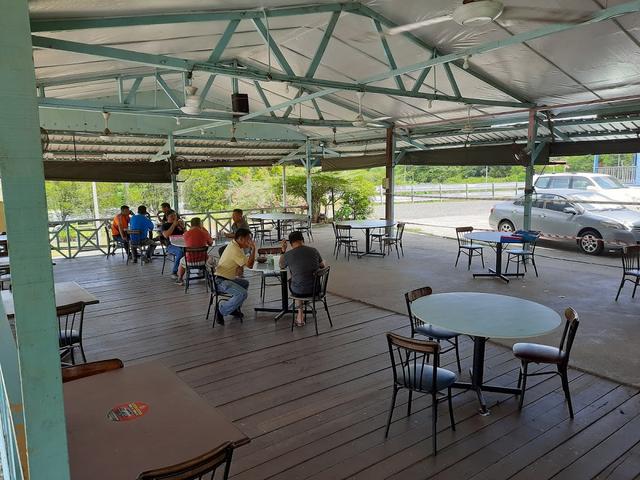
[
  {"x": 72, "y": 237},
  {"x": 626, "y": 174},
  {"x": 441, "y": 191}
]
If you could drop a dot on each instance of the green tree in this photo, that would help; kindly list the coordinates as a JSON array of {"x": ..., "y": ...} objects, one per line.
[
  {"x": 68, "y": 199},
  {"x": 322, "y": 185}
]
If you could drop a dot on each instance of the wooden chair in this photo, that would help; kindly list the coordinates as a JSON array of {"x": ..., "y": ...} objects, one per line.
[
  {"x": 275, "y": 273},
  {"x": 70, "y": 322},
  {"x": 467, "y": 247},
  {"x": 76, "y": 372},
  {"x": 630, "y": 268},
  {"x": 215, "y": 295},
  {"x": 411, "y": 370},
  {"x": 319, "y": 294},
  {"x": 344, "y": 239},
  {"x": 195, "y": 259},
  {"x": 202, "y": 467},
  {"x": 394, "y": 240},
  {"x": 431, "y": 332},
  {"x": 558, "y": 356},
  {"x": 520, "y": 255}
]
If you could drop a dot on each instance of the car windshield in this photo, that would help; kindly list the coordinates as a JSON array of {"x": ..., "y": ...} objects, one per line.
[
  {"x": 595, "y": 202},
  {"x": 608, "y": 182}
]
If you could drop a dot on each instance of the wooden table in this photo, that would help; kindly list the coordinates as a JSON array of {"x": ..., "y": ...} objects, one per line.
[
  {"x": 278, "y": 218},
  {"x": 367, "y": 226},
  {"x": 495, "y": 238},
  {"x": 66, "y": 293},
  {"x": 177, "y": 425},
  {"x": 484, "y": 316}
]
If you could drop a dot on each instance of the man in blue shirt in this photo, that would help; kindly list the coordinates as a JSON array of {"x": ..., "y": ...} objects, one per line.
[{"x": 141, "y": 223}]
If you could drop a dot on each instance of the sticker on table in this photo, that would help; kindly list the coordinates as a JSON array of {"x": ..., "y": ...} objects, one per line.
[{"x": 128, "y": 411}]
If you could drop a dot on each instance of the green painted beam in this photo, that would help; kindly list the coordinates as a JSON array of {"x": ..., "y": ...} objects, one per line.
[
  {"x": 452, "y": 80},
  {"x": 289, "y": 109},
  {"x": 314, "y": 102},
  {"x": 273, "y": 46},
  {"x": 168, "y": 92},
  {"x": 205, "y": 90},
  {"x": 264, "y": 98},
  {"x": 130, "y": 98},
  {"x": 224, "y": 41},
  {"x": 387, "y": 52},
  {"x": 598, "y": 16},
  {"x": 25, "y": 207},
  {"x": 322, "y": 46},
  {"x": 53, "y": 25},
  {"x": 420, "y": 80}
]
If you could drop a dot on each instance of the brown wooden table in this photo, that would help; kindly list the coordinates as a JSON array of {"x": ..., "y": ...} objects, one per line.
[
  {"x": 66, "y": 293},
  {"x": 177, "y": 425}
]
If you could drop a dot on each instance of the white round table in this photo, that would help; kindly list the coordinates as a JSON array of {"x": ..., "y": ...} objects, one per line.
[
  {"x": 484, "y": 316},
  {"x": 367, "y": 226}
]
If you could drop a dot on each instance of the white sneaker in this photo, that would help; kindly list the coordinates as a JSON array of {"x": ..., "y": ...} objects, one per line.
[{"x": 174, "y": 276}]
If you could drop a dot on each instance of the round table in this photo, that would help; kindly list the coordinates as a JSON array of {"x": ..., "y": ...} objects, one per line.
[
  {"x": 367, "y": 226},
  {"x": 484, "y": 316},
  {"x": 497, "y": 239},
  {"x": 278, "y": 218}
]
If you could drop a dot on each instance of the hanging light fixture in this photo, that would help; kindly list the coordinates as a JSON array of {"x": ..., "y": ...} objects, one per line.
[
  {"x": 465, "y": 65},
  {"x": 334, "y": 143},
  {"x": 233, "y": 140}
]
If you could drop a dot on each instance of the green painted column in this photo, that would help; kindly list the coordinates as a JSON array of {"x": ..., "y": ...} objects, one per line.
[
  {"x": 31, "y": 272},
  {"x": 528, "y": 182},
  {"x": 174, "y": 173},
  {"x": 308, "y": 166}
]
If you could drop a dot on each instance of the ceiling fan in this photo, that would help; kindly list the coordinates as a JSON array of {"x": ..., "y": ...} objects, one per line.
[
  {"x": 476, "y": 13},
  {"x": 360, "y": 122}
]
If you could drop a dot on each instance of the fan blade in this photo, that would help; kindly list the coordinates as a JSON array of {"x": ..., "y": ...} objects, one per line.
[
  {"x": 543, "y": 15},
  {"x": 414, "y": 26}
]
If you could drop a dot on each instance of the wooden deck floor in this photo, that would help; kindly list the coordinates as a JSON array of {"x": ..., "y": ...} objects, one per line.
[{"x": 315, "y": 407}]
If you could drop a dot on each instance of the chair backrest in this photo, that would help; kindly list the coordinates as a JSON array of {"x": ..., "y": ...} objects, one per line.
[
  {"x": 195, "y": 256},
  {"x": 70, "y": 317},
  {"x": 569, "y": 333},
  {"x": 198, "y": 468},
  {"x": 107, "y": 230},
  {"x": 400, "y": 231},
  {"x": 343, "y": 231},
  {"x": 631, "y": 258},
  {"x": 320, "y": 285},
  {"x": 460, "y": 231},
  {"x": 412, "y": 296},
  {"x": 270, "y": 251},
  {"x": 134, "y": 235},
  {"x": 76, "y": 372},
  {"x": 409, "y": 359}
]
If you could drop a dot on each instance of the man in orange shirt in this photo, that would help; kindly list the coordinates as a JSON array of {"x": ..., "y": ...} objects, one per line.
[
  {"x": 197, "y": 236},
  {"x": 119, "y": 228}
]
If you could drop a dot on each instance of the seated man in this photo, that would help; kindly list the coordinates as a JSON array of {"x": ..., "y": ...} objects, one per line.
[
  {"x": 165, "y": 211},
  {"x": 142, "y": 223},
  {"x": 228, "y": 274},
  {"x": 119, "y": 228},
  {"x": 238, "y": 222},
  {"x": 173, "y": 226},
  {"x": 197, "y": 236},
  {"x": 302, "y": 261}
]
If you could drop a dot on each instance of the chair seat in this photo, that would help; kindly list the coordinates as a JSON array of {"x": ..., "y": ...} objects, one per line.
[
  {"x": 471, "y": 247},
  {"x": 634, "y": 273},
  {"x": 423, "y": 380},
  {"x": 519, "y": 251},
  {"x": 534, "y": 352},
  {"x": 271, "y": 273},
  {"x": 435, "y": 332}
]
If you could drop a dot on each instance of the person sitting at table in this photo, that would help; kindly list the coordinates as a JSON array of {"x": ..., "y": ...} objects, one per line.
[
  {"x": 165, "y": 211},
  {"x": 141, "y": 222},
  {"x": 173, "y": 226},
  {"x": 197, "y": 236},
  {"x": 119, "y": 228},
  {"x": 302, "y": 261},
  {"x": 237, "y": 222},
  {"x": 229, "y": 271}
]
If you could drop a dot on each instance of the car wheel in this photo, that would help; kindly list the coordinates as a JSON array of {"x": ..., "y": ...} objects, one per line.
[
  {"x": 590, "y": 242},
  {"x": 506, "y": 226}
]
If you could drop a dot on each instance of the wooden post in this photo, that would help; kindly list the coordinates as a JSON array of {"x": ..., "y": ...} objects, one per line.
[{"x": 22, "y": 172}]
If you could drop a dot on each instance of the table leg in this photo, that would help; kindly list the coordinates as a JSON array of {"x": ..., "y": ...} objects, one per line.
[
  {"x": 367, "y": 234},
  {"x": 497, "y": 273},
  {"x": 278, "y": 230},
  {"x": 284, "y": 299}
]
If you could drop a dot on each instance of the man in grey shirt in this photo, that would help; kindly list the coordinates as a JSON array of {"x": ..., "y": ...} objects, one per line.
[
  {"x": 237, "y": 222},
  {"x": 302, "y": 261}
]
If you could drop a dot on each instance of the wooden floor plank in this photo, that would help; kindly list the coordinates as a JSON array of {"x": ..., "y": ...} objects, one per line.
[{"x": 316, "y": 406}]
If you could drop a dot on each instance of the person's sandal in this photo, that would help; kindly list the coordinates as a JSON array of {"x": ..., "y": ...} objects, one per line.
[{"x": 300, "y": 324}]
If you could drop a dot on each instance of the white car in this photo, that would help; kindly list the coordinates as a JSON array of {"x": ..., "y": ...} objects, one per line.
[{"x": 605, "y": 185}]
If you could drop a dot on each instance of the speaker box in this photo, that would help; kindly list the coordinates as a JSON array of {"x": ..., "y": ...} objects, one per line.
[{"x": 240, "y": 102}]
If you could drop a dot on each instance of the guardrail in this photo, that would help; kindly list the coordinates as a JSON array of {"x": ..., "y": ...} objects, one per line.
[
  {"x": 441, "y": 191},
  {"x": 625, "y": 173},
  {"x": 72, "y": 237}
]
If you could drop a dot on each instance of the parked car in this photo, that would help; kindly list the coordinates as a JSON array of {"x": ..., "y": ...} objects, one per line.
[
  {"x": 573, "y": 213},
  {"x": 604, "y": 184}
]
